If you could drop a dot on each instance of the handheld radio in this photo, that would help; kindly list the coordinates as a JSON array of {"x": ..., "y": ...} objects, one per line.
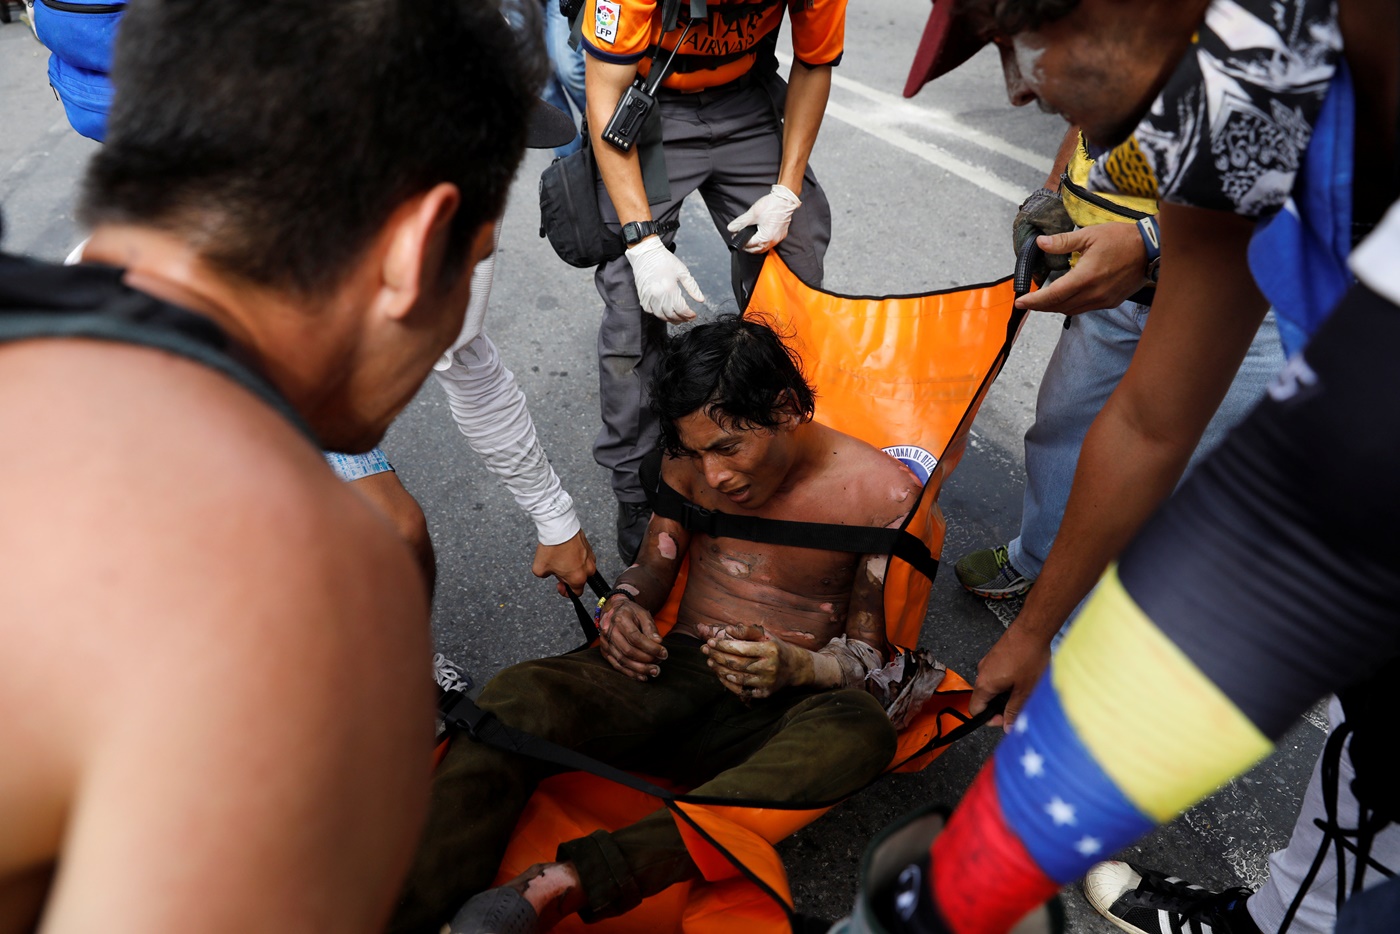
[{"x": 637, "y": 102}]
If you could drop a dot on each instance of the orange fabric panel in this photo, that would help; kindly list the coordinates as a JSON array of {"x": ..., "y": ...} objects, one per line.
[
  {"x": 625, "y": 31},
  {"x": 574, "y": 805},
  {"x": 900, "y": 372}
]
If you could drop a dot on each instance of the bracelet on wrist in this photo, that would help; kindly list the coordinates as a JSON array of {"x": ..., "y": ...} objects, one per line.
[{"x": 603, "y": 600}]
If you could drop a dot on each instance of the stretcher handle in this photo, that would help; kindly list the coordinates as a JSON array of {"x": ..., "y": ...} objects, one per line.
[
  {"x": 599, "y": 585},
  {"x": 1027, "y": 259},
  {"x": 742, "y": 293}
]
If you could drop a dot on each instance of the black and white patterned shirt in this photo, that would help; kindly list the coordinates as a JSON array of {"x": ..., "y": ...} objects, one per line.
[{"x": 1229, "y": 129}]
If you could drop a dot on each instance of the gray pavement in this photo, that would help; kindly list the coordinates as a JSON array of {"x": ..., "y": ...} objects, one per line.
[{"x": 922, "y": 193}]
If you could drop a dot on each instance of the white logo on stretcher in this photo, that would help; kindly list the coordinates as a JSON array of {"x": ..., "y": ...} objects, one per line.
[
  {"x": 919, "y": 461},
  {"x": 605, "y": 21}
]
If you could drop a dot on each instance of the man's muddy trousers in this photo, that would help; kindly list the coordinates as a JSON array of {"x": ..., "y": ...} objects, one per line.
[{"x": 799, "y": 746}]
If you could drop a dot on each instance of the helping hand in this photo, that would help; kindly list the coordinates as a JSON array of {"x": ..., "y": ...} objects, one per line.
[
  {"x": 629, "y": 639},
  {"x": 1112, "y": 266},
  {"x": 661, "y": 277},
  {"x": 773, "y": 215},
  {"x": 572, "y": 562},
  {"x": 1014, "y": 664},
  {"x": 752, "y": 663}
]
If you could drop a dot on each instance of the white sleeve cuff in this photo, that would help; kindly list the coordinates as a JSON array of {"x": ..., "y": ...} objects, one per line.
[{"x": 557, "y": 522}]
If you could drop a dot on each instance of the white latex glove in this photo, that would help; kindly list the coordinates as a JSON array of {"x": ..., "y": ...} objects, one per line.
[
  {"x": 772, "y": 213},
  {"x": 661, "y": 277}
]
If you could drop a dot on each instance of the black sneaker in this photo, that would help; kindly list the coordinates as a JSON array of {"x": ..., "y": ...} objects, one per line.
[
  {"x": 632, "y": 520},
  {"x": 1142, "y": 901}
]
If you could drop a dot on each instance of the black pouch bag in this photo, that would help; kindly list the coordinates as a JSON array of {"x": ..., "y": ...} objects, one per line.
[{"x": 569, "y": 214}]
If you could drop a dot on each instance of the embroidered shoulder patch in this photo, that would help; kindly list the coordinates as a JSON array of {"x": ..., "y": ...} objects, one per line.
[{"x": 605, "y": 21}]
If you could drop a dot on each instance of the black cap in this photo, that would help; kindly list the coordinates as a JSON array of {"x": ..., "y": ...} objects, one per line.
[{"x": 549, "y": 126}]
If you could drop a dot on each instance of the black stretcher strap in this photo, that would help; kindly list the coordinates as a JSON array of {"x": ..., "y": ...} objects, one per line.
[
  {"x": 461, "y": 713},
  {"x": 823, "y": 536}
]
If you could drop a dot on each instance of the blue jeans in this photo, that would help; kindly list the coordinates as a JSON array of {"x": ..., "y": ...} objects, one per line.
[
  {"x": 1090, "y": 359},
  {"x": 565, "y": 81}
]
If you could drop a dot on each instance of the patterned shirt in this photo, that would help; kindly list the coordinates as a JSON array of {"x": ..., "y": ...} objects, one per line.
[{"x": 1230, "y": 127}]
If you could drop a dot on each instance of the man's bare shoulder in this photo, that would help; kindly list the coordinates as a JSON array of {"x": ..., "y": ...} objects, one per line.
[
  {"x": 159, "y": 481},
  {"x": 175, "y": 539},
  {"x": 876, "y": 489}
]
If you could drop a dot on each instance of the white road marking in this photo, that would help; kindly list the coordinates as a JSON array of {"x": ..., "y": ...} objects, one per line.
[
  {"x": 891, "y": 111},
  {"x": 978, "y": 175}
]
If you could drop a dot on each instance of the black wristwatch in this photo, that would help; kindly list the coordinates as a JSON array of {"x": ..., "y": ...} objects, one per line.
[
  {"x": 635, "y": 232},
  {"x": 1152, "y": 239}
]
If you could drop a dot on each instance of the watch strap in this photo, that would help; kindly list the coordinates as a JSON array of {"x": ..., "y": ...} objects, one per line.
[
  {"x": 1151, "y": 235},
  {"x": 644, "y": 229}
]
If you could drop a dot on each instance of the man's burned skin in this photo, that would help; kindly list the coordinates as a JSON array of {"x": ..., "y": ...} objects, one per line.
[
  {"x": 764, "y": 610},
  {"x": 1100, "y": 66},
  {"x": 744, "y": 442}
]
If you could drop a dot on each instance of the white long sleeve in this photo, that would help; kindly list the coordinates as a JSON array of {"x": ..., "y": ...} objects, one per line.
[{"x": 489, "y": 408}]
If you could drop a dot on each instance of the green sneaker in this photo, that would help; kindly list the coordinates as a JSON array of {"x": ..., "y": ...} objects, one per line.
[{"x": 988, "y": 573}]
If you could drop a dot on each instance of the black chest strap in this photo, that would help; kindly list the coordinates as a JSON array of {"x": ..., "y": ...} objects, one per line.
[{"x": 823, "y": 536}]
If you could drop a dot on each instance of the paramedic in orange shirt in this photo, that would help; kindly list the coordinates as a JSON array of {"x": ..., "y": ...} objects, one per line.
[{"x": 728, "y": 126}]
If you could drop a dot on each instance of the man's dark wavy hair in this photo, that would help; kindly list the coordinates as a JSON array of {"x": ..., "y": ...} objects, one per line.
[
  {"x": 1009, "y": 17},
  {"x": 277, "y": 139},
  {"x": 737, "y": 371}
]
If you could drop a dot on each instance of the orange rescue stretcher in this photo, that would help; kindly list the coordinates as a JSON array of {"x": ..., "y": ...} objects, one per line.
[{"x": 906, "y": 373}]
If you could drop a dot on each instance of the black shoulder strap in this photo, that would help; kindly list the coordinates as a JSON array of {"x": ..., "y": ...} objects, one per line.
[
  {"x": 134, "y": 318},
  {"x": 823, "y": 536}
]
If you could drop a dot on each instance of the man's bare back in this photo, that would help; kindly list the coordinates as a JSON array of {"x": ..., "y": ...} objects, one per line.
[
  {"x": 180, "y": 626},
  {"x": 214, "y": 656}
]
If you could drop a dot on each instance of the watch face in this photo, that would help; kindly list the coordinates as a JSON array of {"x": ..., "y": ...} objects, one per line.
[{"x": 632, "y": 233}]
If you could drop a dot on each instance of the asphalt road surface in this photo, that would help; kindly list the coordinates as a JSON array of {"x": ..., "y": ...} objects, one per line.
[{"x": 923, "y": 193}]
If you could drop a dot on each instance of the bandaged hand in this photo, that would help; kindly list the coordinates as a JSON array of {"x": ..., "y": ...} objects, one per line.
[
  {"x": 773, "y": 215},
  {"x": 629, "y": 640},
  {"x": 752, "y": 663},
  {"x": 663, "y": 281}
]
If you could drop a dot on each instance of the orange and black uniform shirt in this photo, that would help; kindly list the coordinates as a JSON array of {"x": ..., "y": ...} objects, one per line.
[{"x": 718, "y": 50}]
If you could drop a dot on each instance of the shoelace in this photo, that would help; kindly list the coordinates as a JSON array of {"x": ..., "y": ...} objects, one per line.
[
  {"x": 1002, "y": 556},
  {"x": 1186, "y": 900},
  {"x": 447, "y": 675}
]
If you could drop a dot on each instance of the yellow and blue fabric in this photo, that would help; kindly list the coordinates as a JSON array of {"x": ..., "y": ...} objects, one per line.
[{"x": 1095, "y": 760}]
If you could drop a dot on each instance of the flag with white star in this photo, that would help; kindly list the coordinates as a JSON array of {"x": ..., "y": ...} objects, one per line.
[{"x": 1056, "y": 797}]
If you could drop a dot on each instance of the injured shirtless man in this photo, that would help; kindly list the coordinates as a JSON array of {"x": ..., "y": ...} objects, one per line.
[{"x": 757, "y": 692}]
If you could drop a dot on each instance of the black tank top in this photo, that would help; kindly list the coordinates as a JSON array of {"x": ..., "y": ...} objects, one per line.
[{"x": 41, "y": 300}]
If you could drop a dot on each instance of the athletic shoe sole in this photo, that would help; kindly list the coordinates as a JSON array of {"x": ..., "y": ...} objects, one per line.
[
  {"x": 1103, "y": 885},
  {"x": 998, "y": 593}
]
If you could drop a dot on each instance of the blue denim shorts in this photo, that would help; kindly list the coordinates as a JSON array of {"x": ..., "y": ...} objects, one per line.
[{"x": 358, "y": 466}]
